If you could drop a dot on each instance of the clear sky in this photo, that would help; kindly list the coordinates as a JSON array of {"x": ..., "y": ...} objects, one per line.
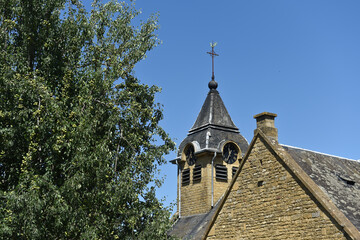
[{"x": 299, "y": 59}]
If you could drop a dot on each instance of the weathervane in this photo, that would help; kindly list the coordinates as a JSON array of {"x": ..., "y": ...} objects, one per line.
[{"x": 213, "y": 54}]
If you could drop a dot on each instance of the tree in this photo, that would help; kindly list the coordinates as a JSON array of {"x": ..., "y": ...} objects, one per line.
[{"x": 80, "y": 140}]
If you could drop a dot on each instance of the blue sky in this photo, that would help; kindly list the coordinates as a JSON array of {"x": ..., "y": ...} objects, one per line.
[{"x": 298, "y": 59}]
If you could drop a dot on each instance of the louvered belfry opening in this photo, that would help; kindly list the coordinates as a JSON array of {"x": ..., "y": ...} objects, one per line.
[
  {"x": 221, "y": 172},
  {"x": 185, "y": 176},
  {"x": 197, "y": 174}
]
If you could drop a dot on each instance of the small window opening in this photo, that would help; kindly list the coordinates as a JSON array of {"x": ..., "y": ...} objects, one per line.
[
  {"x": 221, "y": 172},
  {"x": 197, "y": 174},
  {"x": 186, "y": 176},
  {"x": 347, "y": 181},
  {"x": 260, "y": 183},
  {"x": 234, "y": 170}
]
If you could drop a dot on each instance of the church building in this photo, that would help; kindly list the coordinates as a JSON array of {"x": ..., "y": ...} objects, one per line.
[{"x": 229, "y": 188}]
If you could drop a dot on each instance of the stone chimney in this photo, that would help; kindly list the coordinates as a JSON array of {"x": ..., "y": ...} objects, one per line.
[{"x": 265, "y": 122}]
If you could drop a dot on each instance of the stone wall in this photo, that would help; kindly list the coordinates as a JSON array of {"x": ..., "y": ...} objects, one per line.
[
  {"x": 267, "y": 202},
  {"x": 196, "y": 196}
]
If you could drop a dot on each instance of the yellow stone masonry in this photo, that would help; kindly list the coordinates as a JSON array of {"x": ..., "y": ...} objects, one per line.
[
  {"x": 196, "y": 197},
  {"x": 267, "y": 202}
]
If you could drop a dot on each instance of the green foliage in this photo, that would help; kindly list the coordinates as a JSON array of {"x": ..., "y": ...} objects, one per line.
[{"x": 78, "y": 132}]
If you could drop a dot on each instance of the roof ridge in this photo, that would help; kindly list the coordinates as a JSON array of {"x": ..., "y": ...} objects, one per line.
[{"x": 326, "y": 154}]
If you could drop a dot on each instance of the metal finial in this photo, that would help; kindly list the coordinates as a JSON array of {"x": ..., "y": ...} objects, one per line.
[{"x": 213, "y": 83}]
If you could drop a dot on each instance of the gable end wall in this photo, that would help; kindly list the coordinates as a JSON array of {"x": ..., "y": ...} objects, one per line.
[{"x": 267, "y": 202}]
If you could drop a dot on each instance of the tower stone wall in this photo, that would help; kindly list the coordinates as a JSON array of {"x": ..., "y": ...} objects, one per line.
[{"x": 196, "y": 196}]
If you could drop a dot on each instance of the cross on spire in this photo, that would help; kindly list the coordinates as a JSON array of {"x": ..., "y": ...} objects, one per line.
[{"x": 213, "y": 54}]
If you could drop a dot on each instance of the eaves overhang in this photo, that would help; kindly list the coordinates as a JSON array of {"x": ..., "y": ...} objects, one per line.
[{"x": 214, "y": 126}]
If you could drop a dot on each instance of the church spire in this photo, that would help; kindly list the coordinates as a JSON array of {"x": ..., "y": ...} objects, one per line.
[{"x": 213, "y": 120}]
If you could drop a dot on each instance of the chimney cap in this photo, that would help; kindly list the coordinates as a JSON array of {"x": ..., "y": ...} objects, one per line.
[
  {"x": 265, "y": 115},
  {"x": 266, "y": 123}
]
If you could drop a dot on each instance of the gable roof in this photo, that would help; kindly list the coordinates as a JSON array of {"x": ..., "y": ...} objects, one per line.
[{"x": 316, "y": 190}]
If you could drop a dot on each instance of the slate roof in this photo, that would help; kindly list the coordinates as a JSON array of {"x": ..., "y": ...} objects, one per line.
[
  {"x": 193, "y": 227},
  {"x": 213, "y": 112},
  {"x": 339, "y": 178},
  {"x": 215, "y": 119}
]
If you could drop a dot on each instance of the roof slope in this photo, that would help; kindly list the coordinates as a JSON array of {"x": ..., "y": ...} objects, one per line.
[
  {"x": 338, "y": 177},
  {"x": 213, "y": 112},
  {"x": 193, "y": 227}
]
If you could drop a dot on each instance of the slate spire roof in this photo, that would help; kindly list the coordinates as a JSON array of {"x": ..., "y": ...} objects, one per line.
[
  {"x": 213, "y": 125},
  {"x": 213, "y": 114}
]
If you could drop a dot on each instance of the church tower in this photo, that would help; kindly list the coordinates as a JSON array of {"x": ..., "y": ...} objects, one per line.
[{"x": 208, "y": 157}]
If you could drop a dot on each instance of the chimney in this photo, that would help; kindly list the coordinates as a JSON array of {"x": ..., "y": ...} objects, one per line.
[{"x": 265, "y": 122}]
